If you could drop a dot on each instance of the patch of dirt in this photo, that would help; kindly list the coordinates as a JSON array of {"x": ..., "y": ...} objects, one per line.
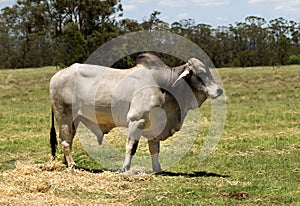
[
  {"x": 235, "y": 195},
  {"x": 52, "y": 184}
]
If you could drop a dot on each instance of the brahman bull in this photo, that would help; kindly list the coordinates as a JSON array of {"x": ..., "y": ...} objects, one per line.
[{"x": 151, "y": 99}]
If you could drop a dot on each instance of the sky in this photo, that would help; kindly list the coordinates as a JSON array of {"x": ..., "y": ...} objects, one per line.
[{"x": 212, "y": 12}]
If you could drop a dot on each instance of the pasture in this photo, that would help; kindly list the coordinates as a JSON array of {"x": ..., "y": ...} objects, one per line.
[{"x": 257, "y": 161}]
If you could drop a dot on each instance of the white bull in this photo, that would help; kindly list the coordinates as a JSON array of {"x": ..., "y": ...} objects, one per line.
[{"x": 151, "y": 99}]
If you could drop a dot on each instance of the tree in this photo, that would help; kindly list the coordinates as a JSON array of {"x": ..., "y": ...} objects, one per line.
[
  {"x": 25, "y": 26},
  {"x": 279, "y": 30},
  {"x": 36, "y": 33},
  {"x": 32, "y": 28},
  {"x": 70, "y": 47},
  {"x": 7, "y": 38},
  {"x": 222, "y": 51},
  {"x": 154, "y": 23},
  {"x": 128, "y": 25}
]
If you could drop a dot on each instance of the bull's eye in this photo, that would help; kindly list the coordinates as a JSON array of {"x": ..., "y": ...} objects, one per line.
[{"x": 201, "y": 81}]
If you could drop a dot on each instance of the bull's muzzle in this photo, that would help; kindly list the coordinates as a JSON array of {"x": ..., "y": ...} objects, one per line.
[{"x": 214, "y": 91}]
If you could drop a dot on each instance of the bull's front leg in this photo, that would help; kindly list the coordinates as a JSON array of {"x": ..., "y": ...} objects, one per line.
[
  {"x": 131, "y": 147},
  {"x": 134, "y": 134},
  {"x": 154, "y": 147}
]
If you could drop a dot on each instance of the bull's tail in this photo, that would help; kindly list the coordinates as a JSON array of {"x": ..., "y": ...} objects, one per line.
[{"x": 53, "y": 139}]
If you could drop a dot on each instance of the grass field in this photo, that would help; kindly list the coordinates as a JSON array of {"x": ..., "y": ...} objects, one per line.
[{"x": 257, "y": 161}]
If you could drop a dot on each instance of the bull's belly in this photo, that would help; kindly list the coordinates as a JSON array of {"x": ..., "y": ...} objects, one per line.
[
  {"x": 160, "y": 137},
  {"x": 158, "y": 126},
  {"x": 107, "y": 121},
  {"x": 159, "y": 133},
  {"x": 103, "y": 118}
]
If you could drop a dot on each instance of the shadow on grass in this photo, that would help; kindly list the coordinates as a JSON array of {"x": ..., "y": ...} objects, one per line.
[
  {"x": 165, "y": 173},
  {"x": 191, "y": 175}
]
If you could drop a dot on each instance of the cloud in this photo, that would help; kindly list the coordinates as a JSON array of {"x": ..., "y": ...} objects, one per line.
[
  {"x": 165, "y": 18},
  {"x": 191, "y": 3},
  {"x": 139, "y": 1},
  {"x": 7, "y": 2},
  {"x": 259, "y": 1},
  {"x": 287, "y": 6},
  {"x": 211, "y": 3},
  {"x": 129, "y": 7},
  {"x": 222, "y": 19},
  {"x": 279, "y": 5},
  {"x": 171, "y": 3},
  {"x": 4, "y": 1},
  {"x": 183, "y": 15}
]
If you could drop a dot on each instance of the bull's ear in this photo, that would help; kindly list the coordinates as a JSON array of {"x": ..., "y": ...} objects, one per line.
[{"x": 185, "y": 73}]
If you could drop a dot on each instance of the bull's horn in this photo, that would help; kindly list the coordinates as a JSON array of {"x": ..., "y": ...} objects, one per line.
[{"x": 181, "y": 76}]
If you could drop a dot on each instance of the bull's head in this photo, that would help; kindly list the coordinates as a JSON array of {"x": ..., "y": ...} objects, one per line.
[{"x": 200, "y": 78}]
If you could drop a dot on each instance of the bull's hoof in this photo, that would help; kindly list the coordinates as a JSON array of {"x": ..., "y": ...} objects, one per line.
[
  {"x": 72, "y": 167},
  {"x": 125, "y": 169}
]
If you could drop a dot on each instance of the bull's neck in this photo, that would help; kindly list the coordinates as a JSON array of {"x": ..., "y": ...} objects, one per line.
[
  {"x": 183, "y": 93},
  {"x": 166, "y": 76}
]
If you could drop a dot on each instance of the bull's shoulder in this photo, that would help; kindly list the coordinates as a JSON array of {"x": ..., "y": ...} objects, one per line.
[{"x": 144, "y": 100}]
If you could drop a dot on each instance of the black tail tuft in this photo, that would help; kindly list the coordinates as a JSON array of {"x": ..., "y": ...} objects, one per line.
[{"x": 53, "y": 139}]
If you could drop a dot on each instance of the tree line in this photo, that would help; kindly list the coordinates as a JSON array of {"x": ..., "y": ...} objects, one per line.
[{"x": 35, "y": 33}]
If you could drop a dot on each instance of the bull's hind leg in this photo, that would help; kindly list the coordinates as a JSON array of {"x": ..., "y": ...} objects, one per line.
[{"x": 67, "y": 132}]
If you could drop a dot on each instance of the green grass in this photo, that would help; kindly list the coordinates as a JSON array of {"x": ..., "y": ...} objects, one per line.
[
  {"x": 259, "y": 152},
  {"x": 24, "y": 115}
]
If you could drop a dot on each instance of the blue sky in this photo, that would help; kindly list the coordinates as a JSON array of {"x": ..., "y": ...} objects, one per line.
[{"x": 212, "y": 12}]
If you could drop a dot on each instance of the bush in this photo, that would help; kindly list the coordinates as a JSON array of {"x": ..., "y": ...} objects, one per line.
[{"x": 294, "y": 59}]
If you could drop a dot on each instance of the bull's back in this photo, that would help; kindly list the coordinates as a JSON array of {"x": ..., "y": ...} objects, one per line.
[{"x": 83, "y": 79}]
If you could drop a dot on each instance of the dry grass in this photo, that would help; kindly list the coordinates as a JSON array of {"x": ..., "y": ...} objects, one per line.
[{"x": 53, "y": 184}]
